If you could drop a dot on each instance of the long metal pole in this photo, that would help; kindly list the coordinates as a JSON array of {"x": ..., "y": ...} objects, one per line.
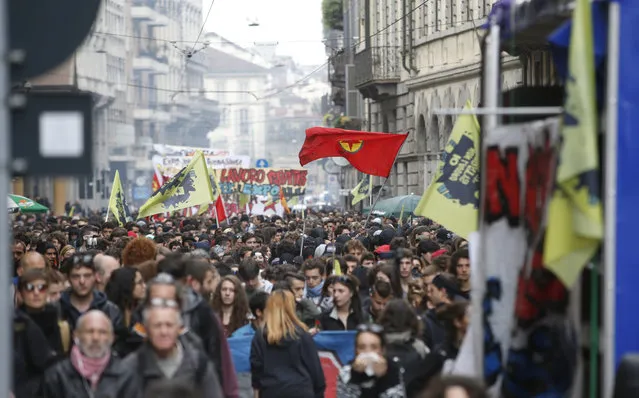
[
  {"x": 490, "y": 99},
  {"x": 379, "y": 193},
  {"x": 6, "y": 305},
  {"x": 610, "y": 201}
]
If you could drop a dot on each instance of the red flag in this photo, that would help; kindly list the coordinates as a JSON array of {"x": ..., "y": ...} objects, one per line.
[
  {"x": 370, "y": 153},
  {"x": 220, "y": 211}
]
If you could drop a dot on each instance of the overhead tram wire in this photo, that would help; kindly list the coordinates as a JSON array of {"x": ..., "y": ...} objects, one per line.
[
  {"x": 190, "y": 54},
  {"x": 277, "y": 42}
]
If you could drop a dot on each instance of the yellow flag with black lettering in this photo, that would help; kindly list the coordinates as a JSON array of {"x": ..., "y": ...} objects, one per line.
[
  {"x": 452, "y": 199},
  {"x": 190, "y": 187},
  {"x": 362, "y": 190},
  {"x": 575, "y": 216},
  {"x": 117, "y": 202}
]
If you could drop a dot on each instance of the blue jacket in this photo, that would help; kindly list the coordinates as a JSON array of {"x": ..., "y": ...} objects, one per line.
[{"x": 246, "y": 330}]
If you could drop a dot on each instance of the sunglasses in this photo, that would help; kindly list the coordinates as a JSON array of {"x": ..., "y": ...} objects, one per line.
[
  {"x": 163, "y": 303},
  {"x": 86, "y": 259},
  {"x": 40, "y": 287},
  {"x": 370, "y": 327}
]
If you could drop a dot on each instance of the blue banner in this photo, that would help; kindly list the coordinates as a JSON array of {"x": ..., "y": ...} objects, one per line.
[{"x": 335, "y": 350}]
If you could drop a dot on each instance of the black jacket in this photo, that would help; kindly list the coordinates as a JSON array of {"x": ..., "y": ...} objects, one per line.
[
  {"x": 434, "y": 332},
  {"x": 31, "y": 356},
  {"x": 291, "y": 369},
  {"x": 196, "y": 370},
  {"x": 100, "y": 302},
  {"x": 63, "y": 380},
  {"x": 330, "y": 321},
  {"x": 412, "y": 355},
  {"x": 353, "y": 384},
  {"x": 47, "y": 320}
]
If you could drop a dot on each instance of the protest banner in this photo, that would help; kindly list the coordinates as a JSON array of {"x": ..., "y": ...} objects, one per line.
[
  {"x": 173, "y": 158},
  {"x": 534, "y": 352},
  {"x": 262, "y": 181},
  {"x": 335, "y": 349}
]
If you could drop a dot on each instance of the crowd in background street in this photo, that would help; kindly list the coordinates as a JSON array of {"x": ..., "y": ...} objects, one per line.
[{"x": 146, "y": 309}]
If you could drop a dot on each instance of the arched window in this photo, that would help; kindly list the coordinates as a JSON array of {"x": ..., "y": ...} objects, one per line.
[
  {"x": 421, "y": 134},
  {"x": 432, "y": 143},
  {"x": 448, "y": 127}
]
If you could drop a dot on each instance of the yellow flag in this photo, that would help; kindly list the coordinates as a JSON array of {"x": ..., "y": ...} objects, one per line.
[
  {"x": 452, "y": 199},
  {"x": 575, "y": 216},
  {"x": 191, "y": 186},
  {"x": 215, "y": 188},
  {"x": 362, "y": 190},
  {"x": 337, "y": 267},
  {"x": 117, "y": 203},
  {"x": 244, "y": 199}
]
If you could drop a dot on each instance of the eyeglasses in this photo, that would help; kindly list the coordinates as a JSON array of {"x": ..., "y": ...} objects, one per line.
[
  {"x": 370, "y": 327},
  {"x": 163, "y": 303},
  {"x": 40, "y": 287}
]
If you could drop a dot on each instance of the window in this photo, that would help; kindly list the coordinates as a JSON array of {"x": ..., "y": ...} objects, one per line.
[
  {"x": 220, "y": 88},
  {"x": 244, "y": 121}
]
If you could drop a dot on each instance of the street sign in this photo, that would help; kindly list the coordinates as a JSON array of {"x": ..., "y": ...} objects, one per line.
[
  {"x": 261, "y": 163},
  {"x": 55, "y": 134}
]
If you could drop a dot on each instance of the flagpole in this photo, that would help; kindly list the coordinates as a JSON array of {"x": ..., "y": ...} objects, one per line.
[
  {"x": 381, "y": 188},
  {"x": 107, "y": 215},
  {"x": 303, "y": 233},
  {"x": 379, "y": 193}
]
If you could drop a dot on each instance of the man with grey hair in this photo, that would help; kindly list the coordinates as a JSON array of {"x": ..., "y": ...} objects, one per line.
[
  {"x": 165, "y": 357},
  {"x": 92, "y": 369},
  {"x": 104, "y": 266}
]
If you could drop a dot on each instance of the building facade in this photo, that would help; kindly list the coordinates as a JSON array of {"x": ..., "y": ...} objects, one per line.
[
  {"x": 411, "y": 58},
  {"x": 239, "y": 80}
]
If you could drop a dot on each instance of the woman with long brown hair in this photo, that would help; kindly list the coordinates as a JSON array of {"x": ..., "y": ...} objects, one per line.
[
  {"x": 230, "y": 304},
  {"x": 293, "y": 369}
]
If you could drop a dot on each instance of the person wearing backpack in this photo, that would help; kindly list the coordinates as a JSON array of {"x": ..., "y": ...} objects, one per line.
[{"x": 164, "y": 356}]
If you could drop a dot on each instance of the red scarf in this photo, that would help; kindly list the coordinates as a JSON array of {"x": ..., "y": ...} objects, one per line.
[{"x": 90, "y": 368}]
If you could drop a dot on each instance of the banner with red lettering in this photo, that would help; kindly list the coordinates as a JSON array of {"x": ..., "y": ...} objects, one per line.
[
  {"x": 529, "y": 345},
  {"x": 262, "y": 181}
]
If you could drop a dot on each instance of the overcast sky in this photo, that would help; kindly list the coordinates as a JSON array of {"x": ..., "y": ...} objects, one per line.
[{"x": 300, "y": 37}]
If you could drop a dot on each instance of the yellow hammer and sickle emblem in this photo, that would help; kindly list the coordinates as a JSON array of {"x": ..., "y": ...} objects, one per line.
[{"x": 351, "y": 146}]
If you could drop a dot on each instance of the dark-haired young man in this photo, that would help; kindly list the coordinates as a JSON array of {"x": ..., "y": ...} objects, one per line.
[
  {"x": 460, "y": 267},
  {"x": 257, "y": 304}
]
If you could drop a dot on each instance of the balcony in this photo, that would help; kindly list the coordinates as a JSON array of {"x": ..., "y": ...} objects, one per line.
[
  {"x": 146, "y": 62},
  {"x": 377, "y": 72},
  {"x": 337, "y": 70},
  {"x": 146, "y": 11},
  {"x": 151, "y": 115},
  {"x": 148, "y": 15}
]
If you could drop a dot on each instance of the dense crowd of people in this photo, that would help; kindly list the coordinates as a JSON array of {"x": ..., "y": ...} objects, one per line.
[{"x": 146, "y": 310}]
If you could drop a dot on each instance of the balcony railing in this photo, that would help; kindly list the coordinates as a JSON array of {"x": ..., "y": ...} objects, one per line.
[
  {"x": 377, "y": 65},
  {"x": 337, "y": 70}
]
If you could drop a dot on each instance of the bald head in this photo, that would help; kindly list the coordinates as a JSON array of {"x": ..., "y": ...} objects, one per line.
[
  {"x": 32, "y": 260},
  {"x": 105, "y": 265},
  {"x": 94, "y": 319}
]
